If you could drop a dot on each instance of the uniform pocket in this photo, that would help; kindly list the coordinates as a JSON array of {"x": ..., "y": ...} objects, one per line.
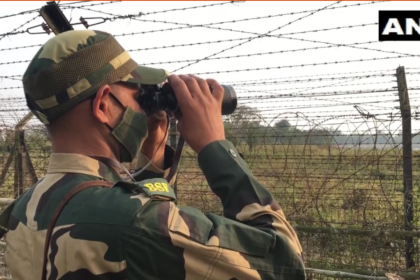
[
  {"x": 241, "y": 238},
  {"x": 215, "y": 247},
  {"x": 217, "y": 231},
  {"x": 190, "y": 223}
]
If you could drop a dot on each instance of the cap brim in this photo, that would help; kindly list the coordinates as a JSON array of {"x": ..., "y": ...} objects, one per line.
[{"x": 146, "y": 76}]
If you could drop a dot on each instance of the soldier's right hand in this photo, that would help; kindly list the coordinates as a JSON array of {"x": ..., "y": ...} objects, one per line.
[{"x": 201, "y": 120}]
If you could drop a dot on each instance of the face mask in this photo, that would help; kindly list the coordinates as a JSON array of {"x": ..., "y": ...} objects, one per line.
[{"x": 130, "y": 133}]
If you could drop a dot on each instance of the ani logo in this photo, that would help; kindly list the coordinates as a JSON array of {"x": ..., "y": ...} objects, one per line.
[{"x": 399, "y": 25}]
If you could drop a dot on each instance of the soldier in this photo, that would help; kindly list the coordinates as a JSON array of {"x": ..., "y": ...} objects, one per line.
[{"x": 83, "y": 220}]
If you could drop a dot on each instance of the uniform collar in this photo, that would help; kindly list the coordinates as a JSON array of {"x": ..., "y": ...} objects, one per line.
[{"x": 81, "y": 164}]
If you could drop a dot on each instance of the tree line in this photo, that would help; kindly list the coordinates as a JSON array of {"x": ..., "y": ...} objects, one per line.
[{"x": 247, "y": 126}]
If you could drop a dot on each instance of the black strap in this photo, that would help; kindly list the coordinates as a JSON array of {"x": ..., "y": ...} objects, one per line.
[{"x": 176, "y": 159}]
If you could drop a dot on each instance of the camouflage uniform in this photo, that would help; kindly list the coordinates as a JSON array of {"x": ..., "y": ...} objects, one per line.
[{"x": 134, "y": 230}]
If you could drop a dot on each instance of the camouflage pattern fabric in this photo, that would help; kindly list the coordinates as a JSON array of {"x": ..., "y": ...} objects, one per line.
[
  {"x": 73, "y": 65},
  {"x": 135, "y": 230}
]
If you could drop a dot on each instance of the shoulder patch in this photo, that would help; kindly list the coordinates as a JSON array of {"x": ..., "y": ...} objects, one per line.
[{"x": 157, "y": 189}]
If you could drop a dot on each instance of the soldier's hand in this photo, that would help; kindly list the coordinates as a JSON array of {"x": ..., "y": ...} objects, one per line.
[{"x": 201, "y": 120}]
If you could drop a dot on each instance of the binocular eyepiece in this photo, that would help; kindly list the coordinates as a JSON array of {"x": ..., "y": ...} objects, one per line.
[{"x": 161, "y": 98}]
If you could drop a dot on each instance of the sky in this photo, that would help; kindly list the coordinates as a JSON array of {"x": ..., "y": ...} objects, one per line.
[{"x": 280, "y": 75}]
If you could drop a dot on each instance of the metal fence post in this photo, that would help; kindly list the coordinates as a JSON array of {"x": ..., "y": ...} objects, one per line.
[{"x": 407, "y": 164}]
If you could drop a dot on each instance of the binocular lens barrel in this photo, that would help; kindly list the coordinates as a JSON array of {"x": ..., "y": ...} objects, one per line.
[
  {"x": 230, "y": 100},
  {"x": 158, "y": 99}
]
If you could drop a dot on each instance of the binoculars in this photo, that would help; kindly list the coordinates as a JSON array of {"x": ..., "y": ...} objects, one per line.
[{"x": 161, "y": 98}]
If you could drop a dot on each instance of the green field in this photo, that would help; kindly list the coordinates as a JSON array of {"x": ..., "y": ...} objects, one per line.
[
  {"x": 328, "y": 187},
  {"x": 318, "y": 186}
]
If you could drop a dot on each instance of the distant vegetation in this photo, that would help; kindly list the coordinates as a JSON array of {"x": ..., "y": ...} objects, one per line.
[{"x": 246, "y": 126}]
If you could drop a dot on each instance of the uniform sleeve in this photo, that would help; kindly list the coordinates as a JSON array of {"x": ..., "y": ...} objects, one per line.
[
  {"x": 152, "y": 171},
  {"x": 252, "y": 240},
  {"x": 243, "y": 197}
]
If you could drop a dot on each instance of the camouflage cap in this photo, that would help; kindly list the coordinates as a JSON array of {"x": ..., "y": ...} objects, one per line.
[{"x": 73, "y": 65}]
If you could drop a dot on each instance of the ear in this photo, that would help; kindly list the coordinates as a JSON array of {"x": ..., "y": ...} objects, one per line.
[{"x": 101, "y": 104}]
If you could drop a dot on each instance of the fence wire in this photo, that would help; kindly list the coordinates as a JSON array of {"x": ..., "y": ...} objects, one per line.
[
  {"x": 341, "y": 188},
  {"x": 327, "y": 145}
]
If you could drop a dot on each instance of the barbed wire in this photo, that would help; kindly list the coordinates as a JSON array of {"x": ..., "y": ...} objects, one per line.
[
  {"x": 20, "y": 26},
  {"x": 262, "y": 82},
  {"x": 263, "y": 35},
  {"x": 333, "y": 98},
  {"x": 21, "y": 47},
  {"x": 73, "y": 3},
  {"x": 188, "y": 26},
  {"x": 9, "y": 78},
  {"x": 294, "y": 96},
  {"x": 224, "y": 41},
  {"x": 322, "y": 79},
  {"x": 369, "y": 163},
  {"x": 191, "y": 8},
  {"x": 271, "y": 113},
  {"x": 352, "y": 45},
  {"x": 349, "y": 46},
  {"x": 64, "y": 6},
  {"x": 5, "y": 88},
  {"x": 330, "y": 93},
  {"x": 12, "y": 98},
  {"x": 313, "y": 115},
  {"x": 245, "y": 55},
  {"x": 195, "y": 44},
  {"x": 189, "y": 44},
  {"x": 334, "y": 84},
  {"x": 13, "y": 33},
  {"x": 311, "y": 95},
  {"x": 134, "y": 16},
  {"x": 310, "y": 87},
  {"x": 335, "y": 166},
  {"x": 316, "y": 75},
  {"x": 200, "y": 43},
  {"x": 299, "y": 94},
  {"x": 299, "y": 32},
  {"x": 317, "y": 106},
  {"x": 328, "y": 74},
  {"x": 20, "y": 13},
  {"x": 292, "y": 79},
  {"x": 265, "y": 111},
  {"x": 249, "y": 40},
  {"x": 14, "y": 62},
  {"x": 140, "y": 14},
  {"x": 302, "y": 65},
  {"x": 341, "y": 103}
]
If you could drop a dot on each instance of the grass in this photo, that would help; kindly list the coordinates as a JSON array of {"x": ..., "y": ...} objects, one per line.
[
  {"x": 324, "y": 186},
  {"x": 318, "y": 186}
]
